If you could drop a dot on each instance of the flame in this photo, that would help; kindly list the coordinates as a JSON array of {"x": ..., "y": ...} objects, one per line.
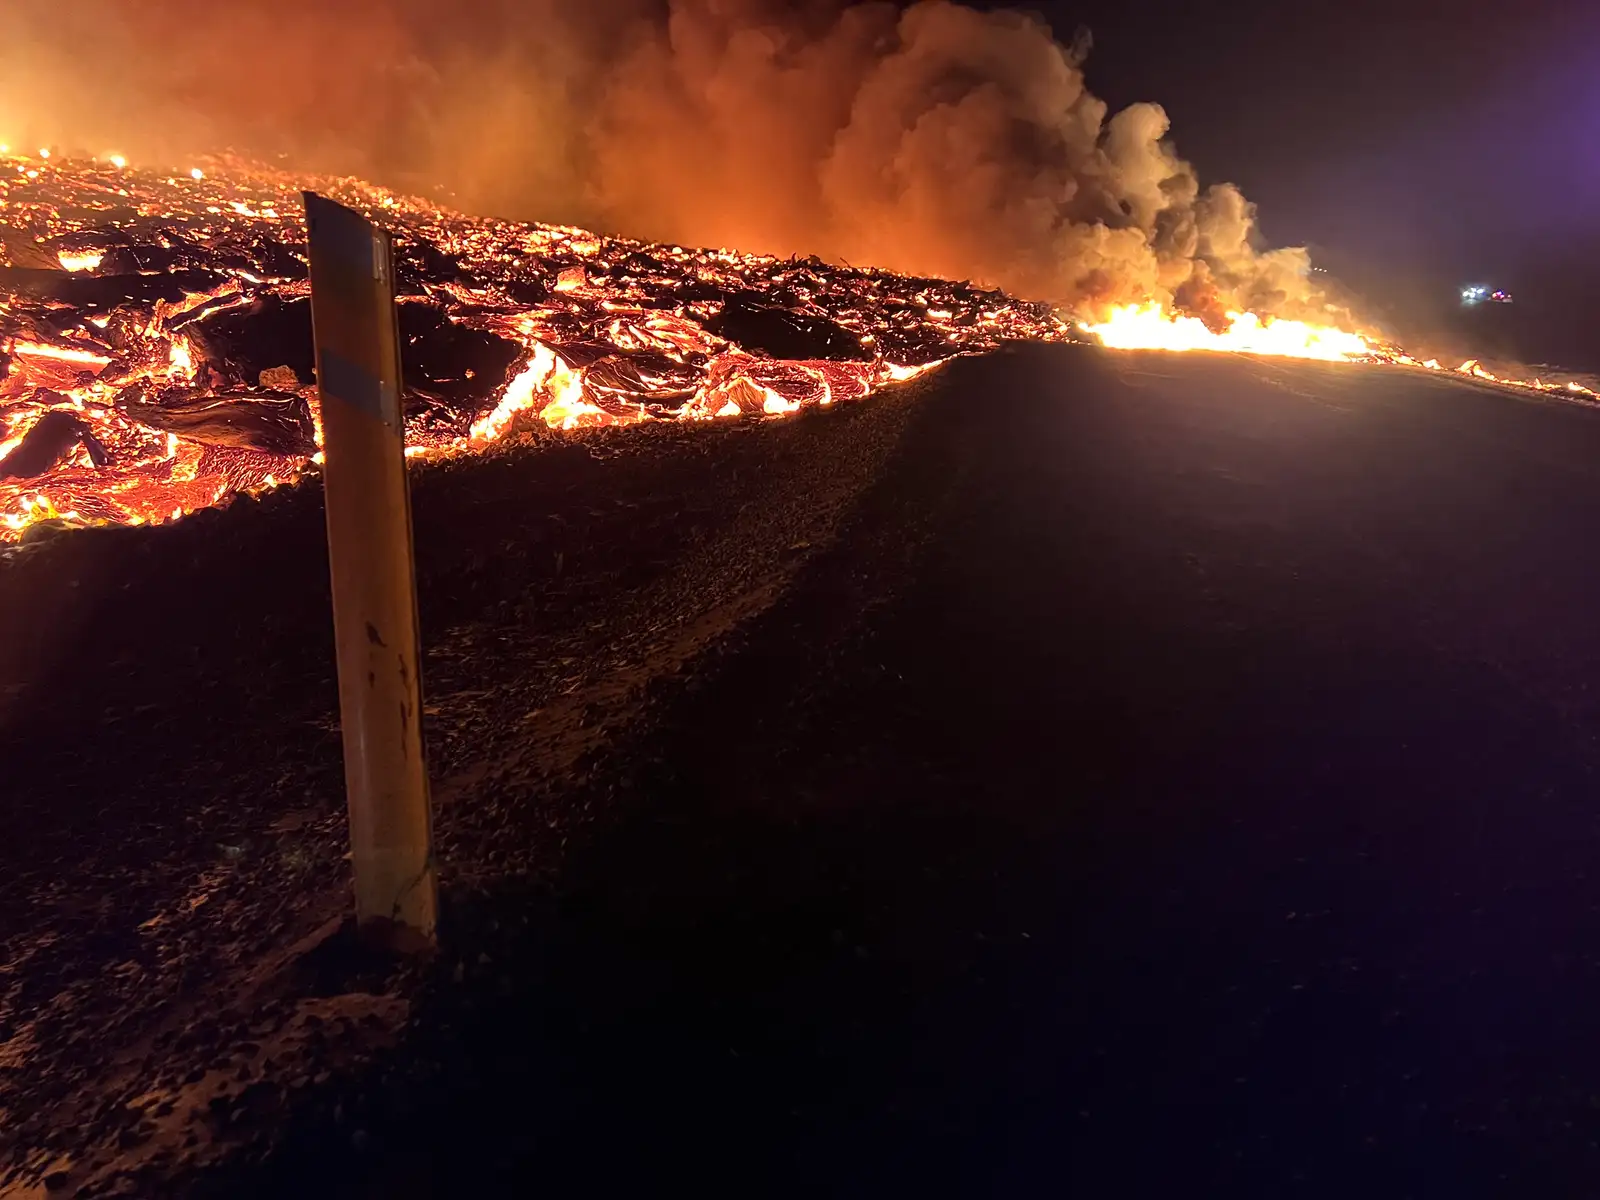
[
  {"x": 33, "y": 509},
  {"x": 569, "y": 407},
  {"x": 1150, "y": 327},
  {"x": 775, "y": 405},
  {"x": 180, "y": 362},
  {"x": 520, "y": 394},
  {"x": 86, "y": 260}
]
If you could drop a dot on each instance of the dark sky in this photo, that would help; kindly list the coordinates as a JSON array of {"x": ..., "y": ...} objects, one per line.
[{"x": 1445, "y": 140}]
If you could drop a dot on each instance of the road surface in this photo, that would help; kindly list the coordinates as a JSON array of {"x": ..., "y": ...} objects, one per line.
[{"x": 1158, "y": 775}]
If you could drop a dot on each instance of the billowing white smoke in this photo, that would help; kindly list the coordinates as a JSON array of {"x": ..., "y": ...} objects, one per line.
[{"x": 932, "y": 138}]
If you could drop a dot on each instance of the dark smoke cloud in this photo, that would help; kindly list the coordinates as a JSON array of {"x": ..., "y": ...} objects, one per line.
[{"x": 931, "y": 138}]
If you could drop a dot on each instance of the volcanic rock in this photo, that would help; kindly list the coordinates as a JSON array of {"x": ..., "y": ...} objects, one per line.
[
  {"x": 652, "y": 379},
  {"x": 51, "y": 439},
  {"x": 784, "y": 333},
  {"x": 419, "y": 262},
  {"x": 275, "y": 424},
  {"x": 271, "y": 331},
  {"x": 450, "y": 363},
  {"x": 105, "y": 290}
]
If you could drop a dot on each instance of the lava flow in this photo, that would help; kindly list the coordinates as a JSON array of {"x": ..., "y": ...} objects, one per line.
[
  {"x": 156, "y": 351},
  {"x": 1150, "y": 327}
]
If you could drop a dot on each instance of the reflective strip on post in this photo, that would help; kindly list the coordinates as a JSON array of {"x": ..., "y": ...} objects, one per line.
[{"x": 373, "y": 574}]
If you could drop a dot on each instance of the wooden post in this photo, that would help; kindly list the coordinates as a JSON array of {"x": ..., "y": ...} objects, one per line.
[{"x": 374, "y": 575}]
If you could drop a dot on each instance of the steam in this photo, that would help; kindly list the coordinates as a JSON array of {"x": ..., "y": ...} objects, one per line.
[{"x": 932, "y": 138}]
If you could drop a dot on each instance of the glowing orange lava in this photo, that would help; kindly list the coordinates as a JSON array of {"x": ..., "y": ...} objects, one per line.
[
  {"x": 133, "y": 390},
  {"x": 155, "y": 334},
  {"x": 1151, "y": 327}
]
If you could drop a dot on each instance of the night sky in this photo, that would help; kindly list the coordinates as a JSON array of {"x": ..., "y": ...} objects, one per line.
[{"x": 1413, "y": 144}]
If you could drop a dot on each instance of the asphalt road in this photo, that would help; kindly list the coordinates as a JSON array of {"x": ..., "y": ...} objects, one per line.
[
  {"x": 1176, "y": 779},
  {"x": 1158, "y": 775}
]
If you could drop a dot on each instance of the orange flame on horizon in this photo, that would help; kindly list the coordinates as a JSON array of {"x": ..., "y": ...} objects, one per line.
[{"x": 1151, "y": 327}]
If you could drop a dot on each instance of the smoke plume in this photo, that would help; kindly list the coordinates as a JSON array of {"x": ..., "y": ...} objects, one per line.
[{"x": 929, "y": 138}]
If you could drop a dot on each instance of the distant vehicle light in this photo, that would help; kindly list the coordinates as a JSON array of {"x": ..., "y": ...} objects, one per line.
[{"x": 1479, "y": 293}]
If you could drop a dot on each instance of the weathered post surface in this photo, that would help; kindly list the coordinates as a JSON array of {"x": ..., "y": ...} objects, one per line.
[{"x": 374, "y": 575}]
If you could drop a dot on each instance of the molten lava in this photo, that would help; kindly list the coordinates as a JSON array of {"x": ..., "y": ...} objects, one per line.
[
  {"x": 156, "y": 356},
  {"x": 1150, "y": 327},
  {"x": 155, "y": 335}
]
